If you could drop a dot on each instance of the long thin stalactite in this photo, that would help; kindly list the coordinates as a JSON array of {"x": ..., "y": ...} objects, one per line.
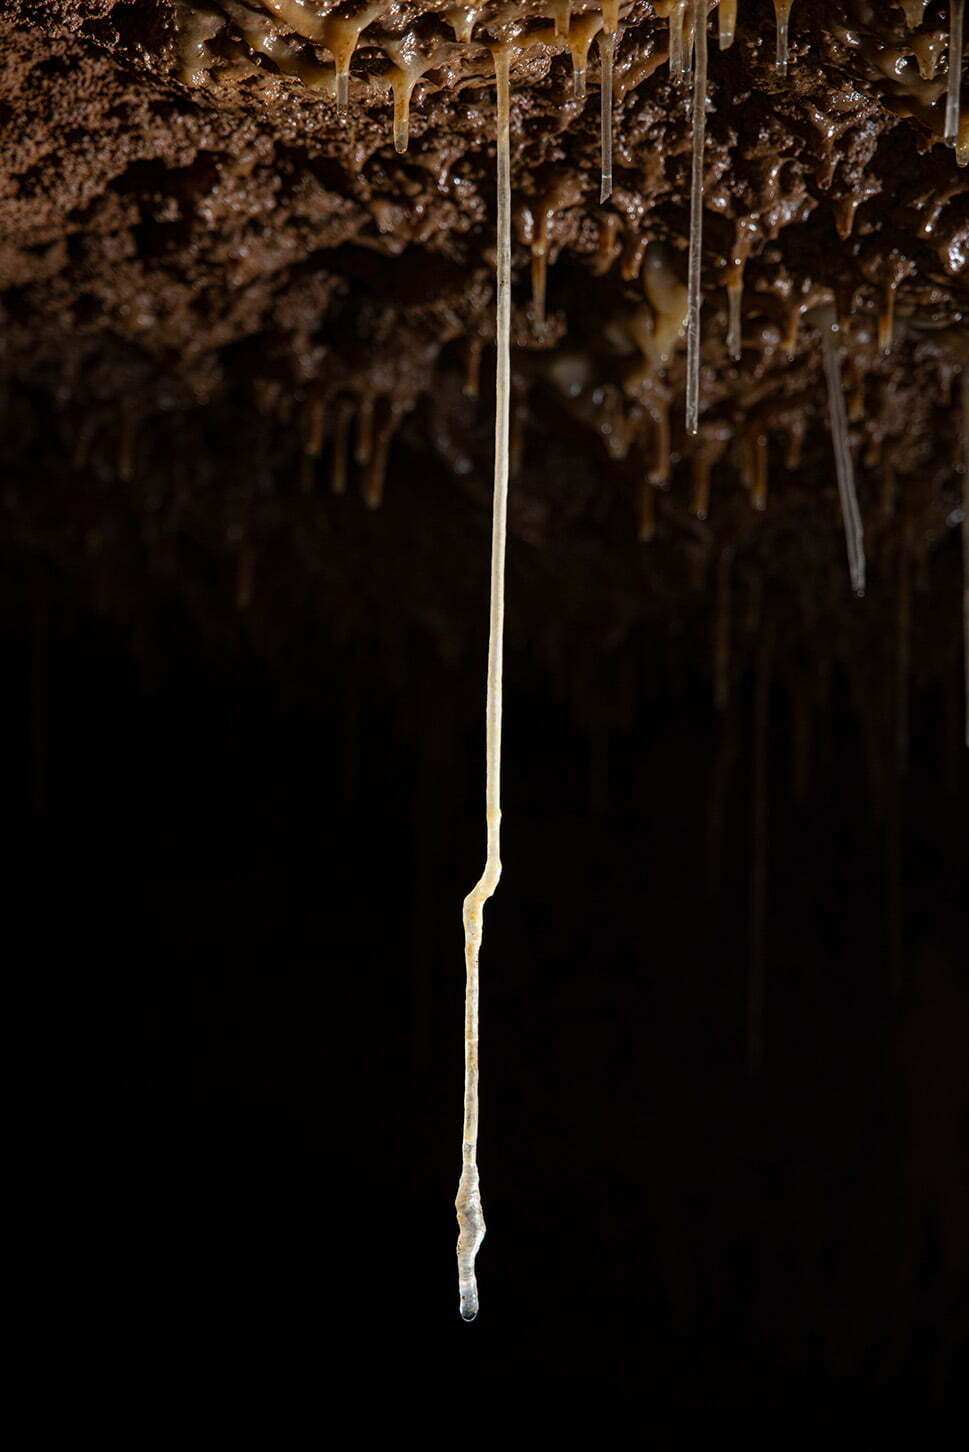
[{"x": 468, "y": 1201}]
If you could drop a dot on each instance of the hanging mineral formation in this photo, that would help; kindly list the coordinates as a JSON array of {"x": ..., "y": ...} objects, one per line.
[
  {"x": 957, "y": 10},
  {"x": 471, "y": 1223},
  {"x": 696, "y": 220},
  {"x": 782, "y": 14}
]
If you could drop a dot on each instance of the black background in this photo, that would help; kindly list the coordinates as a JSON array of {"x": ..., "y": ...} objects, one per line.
[{"x": 246, "y": 938}]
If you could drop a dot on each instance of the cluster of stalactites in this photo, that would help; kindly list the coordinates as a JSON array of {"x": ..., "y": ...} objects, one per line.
[
  {"x": 410, "y": 61},
  {"x": 289, "y": 33}
]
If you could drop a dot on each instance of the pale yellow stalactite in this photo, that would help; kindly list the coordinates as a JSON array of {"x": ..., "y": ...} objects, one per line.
[
  {"x": 696, "y": 220},
  {"x": 727, "y": 22},
  {"x": 471, "y": 1223},
  {"x": 782, "y": 15},
  {"x": 245, "y": 570},
  {"x": 340, "y": 35},
  {"x": 607, "y": 244},
  {"x": 363, "y": 447},
  {"x": 373, "y": 482},
  {"x": 957, "y": 12},
  {"x": 195, "y": 29},
  {"x": 314, "y": 420},
  {"x": 721, "y": 631},
  {"x": 582, "y": 32},
  {"x": 844, "y": 215},
  {"x": 607, "y": 49},
  {"x": 758, "y": 483},
  {"x": 401, "y": 85},
  {"x": 700, "y": 501},
  {"x": 886, "y": 319},
  {"x": 562, "y": 15},
  {"x": 261, "y": 35},
  {"x": 341, "y": 435},
  {"x": 669, "y": 300},
  {"x": 126, "y": 447},
  {"x": 795, "y": 444},
  {"x": 689, "y": 32},
  {"x": 827, "y": 321}
]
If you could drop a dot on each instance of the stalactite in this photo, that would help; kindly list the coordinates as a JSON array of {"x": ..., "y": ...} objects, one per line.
[
  {"x": 582, "y": 32},
  {"x": 782, "y": 15},
  {"x": 727, "y": 22},
  {"x": 956, "y": 21},
  {"x": 468, "y": 1200},
  {"x": 758, "y": 876},
  {"x": 562, "y": 15},
  {"x": 606, "y": 246},
  {"x": 669, "y": 300},
  {"x": 126, "y": 447},
  {"x": 700, "y": 501},
  {"x": 886, "y": 319},
  {"x": 965, "y": 535},
  {"x": 696, "y": 221},
  {"x": 363, "y": 445},
  {"x": 854, "y": 535},
  {"x": 607, "y": 47},
  {"x": 647, "y": 512},
  {"x": 341, "y": 437},
  {"x": 245, "y": 569},
  {"x": 314, "y": 420},
  {"x": 721, "y": 630},
  {"x": 462, "y": 21},
  {"x": 758, "y": 482},
  {"x": 39, "y": 701},
  {"x": 677, "y": 16},
  {"x": 795, "y": 445}
]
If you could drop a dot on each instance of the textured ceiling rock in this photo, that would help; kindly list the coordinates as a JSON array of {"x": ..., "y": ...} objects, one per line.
[{"x": 211, "y": 273}]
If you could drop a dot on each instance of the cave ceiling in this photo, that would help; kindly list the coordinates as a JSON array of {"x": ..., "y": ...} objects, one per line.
[{"x": 248, "y": 320}]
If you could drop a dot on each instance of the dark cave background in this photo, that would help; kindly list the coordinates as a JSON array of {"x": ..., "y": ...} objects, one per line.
[{"x": 244, "y": 891}]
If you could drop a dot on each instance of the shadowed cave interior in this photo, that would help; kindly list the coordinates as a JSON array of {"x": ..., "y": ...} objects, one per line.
[{"x": 247, "y": 452}]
